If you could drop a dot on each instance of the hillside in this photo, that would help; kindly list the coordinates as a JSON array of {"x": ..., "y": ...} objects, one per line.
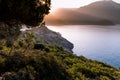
[
  {"x": 25, "y": 60},
  {"x": 97, "y": 13},
  {"x": 44, "y": 36},
  {"x": 51, "y": 63}
]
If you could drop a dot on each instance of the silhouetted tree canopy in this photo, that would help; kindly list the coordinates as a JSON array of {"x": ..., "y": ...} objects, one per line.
[
  {"x": 29, "y": 12},
  {"x": 14, "y": 13}
]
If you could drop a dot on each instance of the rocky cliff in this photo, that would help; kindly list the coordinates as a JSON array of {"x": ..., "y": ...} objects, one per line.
[{"x": 43, "y": 35}]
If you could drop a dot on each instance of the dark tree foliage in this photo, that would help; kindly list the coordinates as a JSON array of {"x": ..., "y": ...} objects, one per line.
[
  {"x": 14, "y": 13},
  {"x": 10, "y": 29},
  {"x": 29, "y": 12}
]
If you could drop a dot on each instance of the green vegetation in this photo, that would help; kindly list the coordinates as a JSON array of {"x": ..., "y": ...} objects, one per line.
[
  {"x": 15, "y": 13},
  {"x": 50, "y": 63},
  {"x": 22, "y": 59}
]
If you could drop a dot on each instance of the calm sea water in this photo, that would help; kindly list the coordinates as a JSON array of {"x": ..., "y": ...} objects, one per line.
[{"x": 95, "y": 42}]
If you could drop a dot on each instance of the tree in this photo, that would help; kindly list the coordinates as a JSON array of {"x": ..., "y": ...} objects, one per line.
[{"x": 14, "y": 13}]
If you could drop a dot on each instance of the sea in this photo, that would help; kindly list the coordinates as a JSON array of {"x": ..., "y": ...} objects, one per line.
[{"x": 96, "y": 42}]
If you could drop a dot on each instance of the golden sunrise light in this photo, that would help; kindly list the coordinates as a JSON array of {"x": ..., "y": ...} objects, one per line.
[
  {"x": 43, "y": 2},
  {"x": 72, "y": 3}
]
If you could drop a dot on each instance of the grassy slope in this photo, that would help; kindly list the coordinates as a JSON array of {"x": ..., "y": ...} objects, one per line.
[{"x": 52, "y": 63}]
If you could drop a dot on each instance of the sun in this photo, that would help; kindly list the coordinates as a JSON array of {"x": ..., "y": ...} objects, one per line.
[{"x": 43, "y": 2}]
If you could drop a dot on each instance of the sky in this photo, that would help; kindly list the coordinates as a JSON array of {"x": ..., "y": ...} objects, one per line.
[{"x": 72, "y": 3}]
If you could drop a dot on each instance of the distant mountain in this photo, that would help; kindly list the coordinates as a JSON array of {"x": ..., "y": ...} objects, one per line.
[
  {"x": 97, "y": 13},
  {"x": 103, "y": 9}
]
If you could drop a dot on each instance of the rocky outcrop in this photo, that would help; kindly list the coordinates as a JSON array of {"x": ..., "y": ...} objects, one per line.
[
  {"x": 42, "y": 35},
  {"x": 45, "y": 36}
]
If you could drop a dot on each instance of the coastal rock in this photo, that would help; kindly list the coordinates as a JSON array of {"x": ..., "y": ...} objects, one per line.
[{"x": 43, "y": 35}]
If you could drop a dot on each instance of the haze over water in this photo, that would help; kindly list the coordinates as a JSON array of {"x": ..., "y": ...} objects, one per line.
[{"x": 95, "y": 42}]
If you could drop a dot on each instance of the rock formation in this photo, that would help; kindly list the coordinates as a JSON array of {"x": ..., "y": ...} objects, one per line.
[{"x": 43, "y": 35}]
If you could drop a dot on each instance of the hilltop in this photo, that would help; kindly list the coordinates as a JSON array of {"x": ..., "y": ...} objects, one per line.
[{"x": 97, "y": 13}]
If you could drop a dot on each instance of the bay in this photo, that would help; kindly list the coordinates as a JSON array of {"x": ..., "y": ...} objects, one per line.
[{"x": 95, "y": 42}]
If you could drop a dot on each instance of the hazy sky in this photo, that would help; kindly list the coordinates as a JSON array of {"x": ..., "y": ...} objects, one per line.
[{"x": 72, "y": 3}]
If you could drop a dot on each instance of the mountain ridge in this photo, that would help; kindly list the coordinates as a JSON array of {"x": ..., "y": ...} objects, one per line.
[{"x": 97, "y": 13}]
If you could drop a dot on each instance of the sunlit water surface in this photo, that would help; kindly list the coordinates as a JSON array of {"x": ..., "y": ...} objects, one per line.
[{"x": 95, "y": 42}]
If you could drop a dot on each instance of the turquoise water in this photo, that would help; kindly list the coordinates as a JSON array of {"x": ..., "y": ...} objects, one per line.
[{"x": 95, "y": 42}]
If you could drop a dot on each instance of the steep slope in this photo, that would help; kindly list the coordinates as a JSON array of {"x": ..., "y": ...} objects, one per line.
[
  {"x": 54, "y": 65},
  {"x": 44, "y": 36}
]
